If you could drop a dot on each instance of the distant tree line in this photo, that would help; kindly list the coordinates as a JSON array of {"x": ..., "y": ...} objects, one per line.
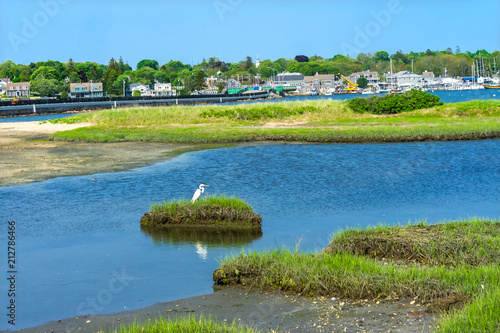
[{"x": 49, "y": 78}]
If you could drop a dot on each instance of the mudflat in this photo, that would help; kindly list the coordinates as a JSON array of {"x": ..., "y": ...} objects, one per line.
[
  {"x": 269, "y": 312},
  {"x": 27, "y": 155}
]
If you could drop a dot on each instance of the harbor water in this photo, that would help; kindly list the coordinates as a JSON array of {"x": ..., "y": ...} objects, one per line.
[{"x": 80, "y": 249}]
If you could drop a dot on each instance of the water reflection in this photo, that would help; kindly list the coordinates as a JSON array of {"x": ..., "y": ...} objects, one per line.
[{"x": 200, "y": 236}]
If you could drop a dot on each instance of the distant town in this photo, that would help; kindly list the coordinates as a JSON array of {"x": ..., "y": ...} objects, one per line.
[{"x": 367, "y": 74}]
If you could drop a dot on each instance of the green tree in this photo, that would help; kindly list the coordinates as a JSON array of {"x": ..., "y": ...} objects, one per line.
[
  {"x": 110, "y": 75},
  {"x": 25, "y": 73},
  {"x": 161, "y": 77},
  {"x": 147, "y": 63},
  {"x": 70, "y": 68},
  {"x": 120, "y": 83},
  {"x": 382, "y": 56},
  {"x": 136, "y": 93},
  {"x": 200, "y": 81},
  {"x": 221, "y": 86},
  {"x": 362, "y": 82},
  {"x": 145, "y": 75},
  {"x": 123, "y": 66},
  {"x": 45, "y": 72},
  {"x": 94, "y": 73},
  {"x": 212, "y": 61},
  {"x": 45, "y": 87},
  {"x": 174, "y": 66},
  {"x": 248, "y": 63},
  {"x": 6, "y": 69}
]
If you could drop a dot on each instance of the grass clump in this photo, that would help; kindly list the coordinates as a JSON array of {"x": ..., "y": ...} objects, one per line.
[
  {"x": 394, "y": 103},
  {"x": 451, "y": 267},
  {"x": 266, "y": 112},
  {"x": 462, "y": 243},
  {"x": 172, "y": 206},
  {"x": 220, "y": 211},
  {"x": 188, "y": 324},
  {"x": 480, "y": 315}
]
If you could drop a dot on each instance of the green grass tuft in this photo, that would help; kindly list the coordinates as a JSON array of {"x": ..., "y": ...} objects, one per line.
[
  {"x": 189, "y": 324},
  {"x": 171, "y": 207}
]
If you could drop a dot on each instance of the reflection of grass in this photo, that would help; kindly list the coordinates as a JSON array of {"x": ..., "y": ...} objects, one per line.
[
  {"x": 454, "y": 261},
  {"x": 189, "y": 324},
  {"x": 312, "y": 121}
]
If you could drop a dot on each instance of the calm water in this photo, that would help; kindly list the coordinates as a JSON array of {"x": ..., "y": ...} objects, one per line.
[
  {"x": 80, "y": 249},
  {"x": 446, "y": 96}
]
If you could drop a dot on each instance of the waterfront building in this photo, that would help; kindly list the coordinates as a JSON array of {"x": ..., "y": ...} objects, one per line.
[
  {"x": 405, "y": 79},
  {"x": 144, "y": 89},
  {"x": 372, "y": 77},
  {"x": 287, "y": 79},
  {"x": 86, "y": 90},
  {"x": 18, "y": 89},
  {"x": 162, "y": 89},
  {"x": 427, "y": 75},
  {"x": 233, "y": 84},
  {"x": 211, "y": 82},
  {"x": 208, "y": 92},
  {"x": 320, "y": 83}
]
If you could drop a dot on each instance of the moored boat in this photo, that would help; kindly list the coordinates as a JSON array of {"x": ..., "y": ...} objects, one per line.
[{"x": 491, "y": 86}]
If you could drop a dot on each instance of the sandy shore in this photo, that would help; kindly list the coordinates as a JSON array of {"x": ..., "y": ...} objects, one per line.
[
  {"x": 270, "y": 312},
  {"x": 27, "y": 155}
]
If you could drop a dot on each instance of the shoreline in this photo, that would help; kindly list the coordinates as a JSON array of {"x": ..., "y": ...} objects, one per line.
[
  {"x": 27, "y": 155},
  {"x": 266, "y": 311}
]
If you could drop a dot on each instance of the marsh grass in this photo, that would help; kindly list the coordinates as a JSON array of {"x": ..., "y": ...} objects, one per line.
[
  {"x": 480, "y": 315},
  {"x": 171, "y": 207},
  {"x": 189, "y": 324},
  {"x": 344, "y": 271},
  {"x": 308, "y": 121},
  {"x": 473, "y": 242}
]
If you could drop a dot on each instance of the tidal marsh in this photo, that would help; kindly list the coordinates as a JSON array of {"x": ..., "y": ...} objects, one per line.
[
  {"x": 457, "y": 264},
  {"x": 310, "y": 121}
]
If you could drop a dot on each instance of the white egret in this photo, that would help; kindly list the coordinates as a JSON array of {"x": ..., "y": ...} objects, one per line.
[{"x": 198, "y": 192}]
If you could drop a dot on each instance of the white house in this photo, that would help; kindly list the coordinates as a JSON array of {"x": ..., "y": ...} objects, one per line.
[
  {"x": 233, "y": 84},
  {"x": 86, "y": 90},
  {"x": 372, "y": 77},
  {"x": 144, "y": 89},
  {"x": 405, "y": 79},
  {"x": 18, "y": 89},
  {"x": 162, "y": 89}
]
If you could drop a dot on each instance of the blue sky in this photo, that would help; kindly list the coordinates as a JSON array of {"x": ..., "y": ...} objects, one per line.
[{"x": 96, "y": 30}]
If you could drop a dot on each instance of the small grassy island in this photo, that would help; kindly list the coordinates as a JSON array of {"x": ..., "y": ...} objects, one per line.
[
  {"x": 450, "y": 267},
  {"x": 213, "y": 211}
]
